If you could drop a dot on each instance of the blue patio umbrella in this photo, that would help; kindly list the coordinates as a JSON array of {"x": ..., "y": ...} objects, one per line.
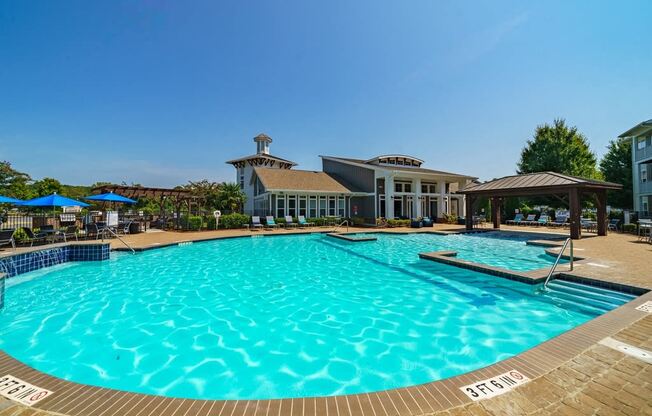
[
  {"x": 110, "y": 197},
  {"x": 53, "y": 200},
  {"x": 8, "y": 200}
]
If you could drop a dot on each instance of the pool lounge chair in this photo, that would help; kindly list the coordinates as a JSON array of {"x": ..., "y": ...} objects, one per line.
[
  {"x": 270, "y": 223},
  {"x": 303, "y": 222},
  {"x": 530, "y": 220},
  {"x": 7, "y": 237},
  {"x": 255, "y": 223},
  {"x": 34, "y": 237},
  {"x": 543, "y": 220},
  {"x": 517, "y": 219},
  {"x": 69, "y": 233},
  {"x": 289, "y": 222},
  {"x": 560, "y": 221}
]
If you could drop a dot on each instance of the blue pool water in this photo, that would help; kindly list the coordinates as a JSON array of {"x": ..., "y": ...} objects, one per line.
[{"x": 272, "y": 317}]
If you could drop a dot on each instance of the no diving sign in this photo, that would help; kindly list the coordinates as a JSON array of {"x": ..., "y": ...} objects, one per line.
[
  {"x": 494, "y": 386},
  {"x": 20, "y": 391}
]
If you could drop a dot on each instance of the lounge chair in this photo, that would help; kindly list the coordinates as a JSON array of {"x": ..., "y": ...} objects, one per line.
[
  {"x": 255, "y": 223},
  {"x": 560, "y": 221},
  {"x": 289, "y": 222},
  {"x": 34, "y": 237},
  {"x": 543, "y": 220},
  {"x": 7, "y": 237},
  {"x": 304, "y": 223},
  {"x": 427, "y": 222},
  {"x": 530, "y": 220},
  {"x": 92, "y": 230},
  {"x": 517, "y": 219},
  {"x": 613, "y": 224},
  {"x": 270, "y": 223}
]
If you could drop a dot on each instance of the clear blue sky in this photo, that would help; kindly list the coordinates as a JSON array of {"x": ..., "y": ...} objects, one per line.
[{"x": 160, "y": 92}]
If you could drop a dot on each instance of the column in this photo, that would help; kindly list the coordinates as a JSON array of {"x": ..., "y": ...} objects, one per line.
[
  {"x": 417, "y": 198},
  {"x": 601, "y": 199},
  {"x": 575, "y": 214},
  {"x": 464, "y": 211},
  {"x": 495, "y": 211},
  {"x": 389, "y": 200},
  {"x": 441, "y": 185},
  {"x": 468, "y": 207}
]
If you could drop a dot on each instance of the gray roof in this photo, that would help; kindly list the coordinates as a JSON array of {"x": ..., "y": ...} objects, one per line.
[
  {"x": 398, "y": 167},
  {"x": 539, "y": 180},
  {"x": 261, "y": 155},
  {"x": 640, "y": 128}
]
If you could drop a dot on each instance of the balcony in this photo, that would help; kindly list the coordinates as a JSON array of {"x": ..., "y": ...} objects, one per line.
[{"x": 642, "y": 154}]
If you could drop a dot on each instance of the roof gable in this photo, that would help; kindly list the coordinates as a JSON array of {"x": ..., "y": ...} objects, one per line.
[{"x": 540, "y": 180}]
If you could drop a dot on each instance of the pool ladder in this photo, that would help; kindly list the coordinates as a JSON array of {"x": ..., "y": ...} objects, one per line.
[
  {"x": 341, "y": 224},
  {"x": 559, "y": 256},
  {"x": 118, "y": 237}
]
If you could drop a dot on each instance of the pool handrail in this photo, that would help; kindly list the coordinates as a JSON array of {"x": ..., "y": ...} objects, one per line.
[{"x": 559, "y": 256}]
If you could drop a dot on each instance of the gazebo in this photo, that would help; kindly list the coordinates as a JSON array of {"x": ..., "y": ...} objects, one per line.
[{"x": 569, "y": 189}]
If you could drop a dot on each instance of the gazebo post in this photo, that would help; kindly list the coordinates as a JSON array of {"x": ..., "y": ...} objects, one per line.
[
  {"x": 495, "y": 211},
  {"x": 601, "y": 199},
  {"x": 469, "y": 212},
  {"x": 575, "y": 207}
]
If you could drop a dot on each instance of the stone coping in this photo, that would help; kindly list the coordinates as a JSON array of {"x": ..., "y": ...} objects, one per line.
[{"x": 347, "y": 237}]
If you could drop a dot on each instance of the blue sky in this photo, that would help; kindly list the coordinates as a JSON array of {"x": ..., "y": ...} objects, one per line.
[{"x": 161, "y": 92}]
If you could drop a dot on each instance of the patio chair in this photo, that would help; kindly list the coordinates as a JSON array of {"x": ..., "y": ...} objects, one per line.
[
  {"x": 613, "y": 224},
  {"x": 7, "y": 237},
  {"x": 92, "y": 230},
  {"x": 289, "y": 222},
  {"x": 560, "y": 221},
  {"x": 530, "y": 220},
  {"x": 69, "y": 233},
  {"x": 543, "y": 220},
  {"x": 255, "y": 223},
  {"x": 645, "y": 230},
  {"x": 304, "y": 223},
  {"x": 34, "y": 237},
  {"x": 517, "y": 219},
  {"x": 270, "y": 223},
  {"x": 427, "y": 222}
]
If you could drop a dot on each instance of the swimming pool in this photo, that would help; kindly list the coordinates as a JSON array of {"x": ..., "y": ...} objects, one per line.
[{"x": 272, "y": 317}]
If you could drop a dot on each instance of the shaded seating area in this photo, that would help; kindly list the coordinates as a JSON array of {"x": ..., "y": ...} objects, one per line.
[{"x": 571, "y": 190}]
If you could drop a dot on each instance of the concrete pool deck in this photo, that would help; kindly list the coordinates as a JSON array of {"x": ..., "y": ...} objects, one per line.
[{"x": 570, "y": 374}]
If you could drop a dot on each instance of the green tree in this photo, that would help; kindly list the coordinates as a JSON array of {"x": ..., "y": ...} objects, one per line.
[
  {"x": 47, "y": 186},
  {"x": 231, "y": 197},
  {"x": 14, "y": 183},
  {"x": 207, "y": 192},
  {"x": 558, "y": 148},
  {"x": 616, "y": 166}
]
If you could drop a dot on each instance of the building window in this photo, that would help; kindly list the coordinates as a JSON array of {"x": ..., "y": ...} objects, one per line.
[
  {"x": 381, "y": 206},
  {"x": 641, "y": 143},
  {"x": 302, "y": 205},
  {"x": 643, "y": 172},
  {"x": 331, "y": 205},
  {"x": 292, "y": 205},
  {"x": 280, "y": 206},
  {"x": 340, "y": 207},
  {"x": 313, "y": 207},
  {"x": 322, "y": 206},
  {"x": 402, "y": 187},
  {"x": 241, "y": 177},
  {"x": 407, "y": 187},
  {"x": 398, "y": 187}
]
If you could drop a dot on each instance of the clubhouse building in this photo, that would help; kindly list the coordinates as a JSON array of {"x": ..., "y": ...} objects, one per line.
[{"x": 389, "y": 186}]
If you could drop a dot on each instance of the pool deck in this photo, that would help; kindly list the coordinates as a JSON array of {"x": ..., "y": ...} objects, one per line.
[{"x": 570, "y": 374}]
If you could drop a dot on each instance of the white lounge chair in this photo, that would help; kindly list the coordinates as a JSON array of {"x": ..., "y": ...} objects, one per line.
[
  {"x": 255, "y": 223},
  {"x": 270, "y": 223},
  {"x": 289, "y": 222},
  {"x": 304, "y": 223}
]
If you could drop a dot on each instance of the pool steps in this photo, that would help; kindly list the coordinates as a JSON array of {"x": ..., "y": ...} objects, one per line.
[{"x": 592, "y": 299}]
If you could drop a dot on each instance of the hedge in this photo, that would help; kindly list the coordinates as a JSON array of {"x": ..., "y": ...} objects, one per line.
[
  {"x": 234, "y": 220},
  {"x": 194, "y": 222},
  {"x": 398, "y": 223}
]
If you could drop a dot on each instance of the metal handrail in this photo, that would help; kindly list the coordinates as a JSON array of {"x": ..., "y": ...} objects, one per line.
[
  {"x": 341, "y": 224},
  {"x": 118, "y": 237},
  {"x": 559, "y": 256}
]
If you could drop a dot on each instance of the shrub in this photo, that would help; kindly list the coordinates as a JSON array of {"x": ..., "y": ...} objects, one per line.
[
  {"x": 629, "y": 228},
  {"x": 209, "y": 223},
  {"x": 450, "y": 218},
  {"x": 281, "y": 221},
  {"x": 20, "y": 235},
  {"x": 234, "y": 220},
  {"x": 195, "y": 222},
  {"x": 317, "y": 221},
  {"x": 357, "y": 221},
  {"x": 398, "y": 223}
]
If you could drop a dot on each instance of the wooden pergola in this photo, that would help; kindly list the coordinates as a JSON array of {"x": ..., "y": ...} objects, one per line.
[{"x": 569, "y": 189}]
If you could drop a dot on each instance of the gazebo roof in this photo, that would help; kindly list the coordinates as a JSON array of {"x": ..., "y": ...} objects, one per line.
[{"x": 536, "y": 183}]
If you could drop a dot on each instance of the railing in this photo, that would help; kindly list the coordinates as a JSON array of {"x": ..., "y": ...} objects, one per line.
[
  {"x": 559, "y": 256},
  {"x": 110, "y": 231},
  {"x": 341, "y": 224}
]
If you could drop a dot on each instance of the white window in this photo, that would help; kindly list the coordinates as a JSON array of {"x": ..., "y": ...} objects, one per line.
[
  {"x": 241, "y": 177},
  {"x": 643, "y": 172},
  {"x": 331, "y": 205},
  {"x": 340, "y": 206},
  {"x": 302, "y": 205},
  {"x": 292, "y": 205},
  {"x": 280, "y": 206},
  {"x": 641, "y": 143},
  {"x": 322, "y": 206},
  {"x": 313, "y": 207}
]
